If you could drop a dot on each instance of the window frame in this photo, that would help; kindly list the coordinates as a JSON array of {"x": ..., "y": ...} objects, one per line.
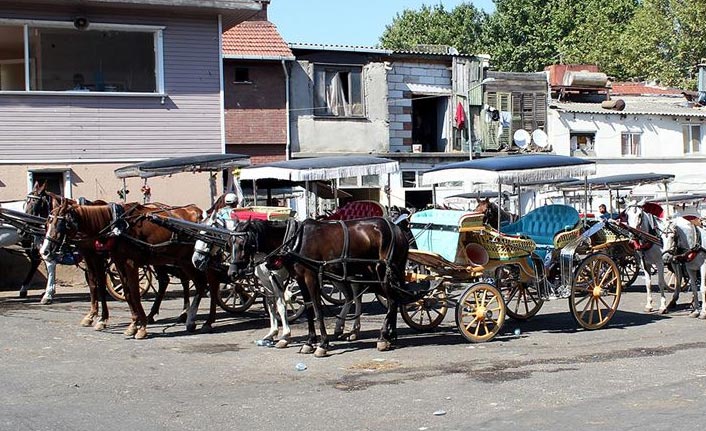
[
  {"x": 158, "y": 34},
  {"x": 699, "y": 140},
  {"x": 65, "y": 173},
  {"x": 631, "y": 135},
  {"x": 324, "y": 111}
]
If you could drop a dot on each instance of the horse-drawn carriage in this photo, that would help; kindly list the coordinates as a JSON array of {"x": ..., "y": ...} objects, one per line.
[{"x": 512, "y": 269}]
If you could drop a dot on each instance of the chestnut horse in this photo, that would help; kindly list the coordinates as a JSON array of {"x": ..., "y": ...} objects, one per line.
[
  {"x": 491, "y": 212},
  {"x": 370, "y": 251},
  {"x": 134, "y": 242}
]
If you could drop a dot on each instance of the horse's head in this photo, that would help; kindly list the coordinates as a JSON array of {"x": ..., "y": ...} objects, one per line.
[
  {"x": 244, "y": 245},
  {"x": 636, "y": 216},
  {"x": 38, "y": 202},
  {"x": 485, "y": 207},
  {"x": 61, "y": 226},
  {"x": 679, "y": 236}
]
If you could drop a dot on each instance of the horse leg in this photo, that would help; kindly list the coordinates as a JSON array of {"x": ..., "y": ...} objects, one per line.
[
  {"x": 677, "y": 271},
  {"x": 281, "y": 305},
  {"x": 34, "y": 260},
  {"x": 648, "y": 284},
  {"x": 48, "y": 296},
  {"x": 355, "y": 330},
  {"x": 341, "y": 318},
  {"x": 96, "y": 280},
  {"x": 185, "y": 284},
  {"x": 322, "y": 350},
  {"x": 93, "y": 293},
  {"x": 162, "y": 283},
  {"x": 389, "y": 327},
  {"x": 702, "y": 290},
  {"x": 131, "y": 281},
  {"x": 662, "y": 283},
  {"x": 308, "y": 346}
]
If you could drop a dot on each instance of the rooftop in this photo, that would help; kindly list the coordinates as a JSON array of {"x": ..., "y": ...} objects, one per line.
[
  {"x": 255, "y": 40},
  {"x": 642, "y": 105}
]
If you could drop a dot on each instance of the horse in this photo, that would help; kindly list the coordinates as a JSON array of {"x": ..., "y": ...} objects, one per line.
[
  {"x": 369, "y": 251},
  {"x": 685, "y": 245},
  {"x": 650, "y": 253},
  {"x": 133, "y": 242},
  {"x": 492, "y": 211}
]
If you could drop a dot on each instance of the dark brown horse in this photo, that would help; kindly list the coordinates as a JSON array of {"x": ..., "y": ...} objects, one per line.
[
  {"x": 138, "y": 243},
  {"x": 491, "y": 212},
  {"x": 371, "y": 252}
]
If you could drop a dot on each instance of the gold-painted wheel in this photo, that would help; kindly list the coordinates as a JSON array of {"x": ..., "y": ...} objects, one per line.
[
  {"x": 629, "y": 268},
  {"x": 428, "y": 312},
  {"x": 480, "y": 312},
  {"x": 595, "y": 291},
  {"x": 114, "y": 284},
  {"x": 522, "y": 300},
  {"x": 238, "y": 296}
]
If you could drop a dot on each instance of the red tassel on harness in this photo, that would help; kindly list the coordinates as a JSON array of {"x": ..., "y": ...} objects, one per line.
[
  {"x": 106, "y": 245},
  {"x": 641, "y": 246}
]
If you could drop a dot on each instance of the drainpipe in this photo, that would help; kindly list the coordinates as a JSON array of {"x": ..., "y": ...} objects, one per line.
[{"x": 287, "y": 149}]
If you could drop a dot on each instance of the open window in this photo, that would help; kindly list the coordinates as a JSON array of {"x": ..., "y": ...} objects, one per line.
[
  {"x": 582, "y": 144},
  {"x": 101, "y": 58},
  {"x": 338, "y": 91},
  {"x": 58, "y": 180}
]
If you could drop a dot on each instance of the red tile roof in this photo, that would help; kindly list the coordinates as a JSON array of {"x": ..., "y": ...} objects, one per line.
[
  {"x": 255, "y": 39},
  {"x": 640, "y": 88}
]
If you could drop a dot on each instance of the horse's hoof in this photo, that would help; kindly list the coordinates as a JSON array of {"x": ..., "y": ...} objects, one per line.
[
  {"x": 100, "y": 326},
  {"x": 320, "y": 352},
  {"x": 384, "y": 346},
  {"x": 181, "y": 318},
  {"x": 306, "y": 349},
  {"x": 130, "y": 331},
  {"x": 141, "y": 333},
  {"x": 672, "y": 305},
  {"x": 694, "y": 314},
  {"x": 282, "y": 344},
  {"x": 23, "y": 293},
  {"x": 87, "y": 321},
  {"x": 648, "y": 309},
  {"x": 150, "y": 319},
  {"x": 702, "y": 315},
  {"x": 353, "y": 336},
  {"x": 46, "y": 300},
  {"x": 663, "y": 310},
  {"x": 191, "y": 327},
  {"x": 206, "y": 328},
  {"x": 338, "y": 335}
]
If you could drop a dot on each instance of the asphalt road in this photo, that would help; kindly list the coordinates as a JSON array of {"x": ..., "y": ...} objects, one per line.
[{"x": 645, "y": 371}]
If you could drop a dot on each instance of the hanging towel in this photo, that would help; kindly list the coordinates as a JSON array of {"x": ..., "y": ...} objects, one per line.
[
  {"x": 460, "y": 116},
  {"x": 505, "y": 118}
]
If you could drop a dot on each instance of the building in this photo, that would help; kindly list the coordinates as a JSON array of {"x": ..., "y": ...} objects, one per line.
[{"x": 87, "y": 87}]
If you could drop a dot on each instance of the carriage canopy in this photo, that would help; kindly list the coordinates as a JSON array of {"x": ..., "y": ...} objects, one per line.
[
  {"x": 321, "y": 168},
  {"x": 175, "y": 165},
  {"x": 520, "y": 169}
]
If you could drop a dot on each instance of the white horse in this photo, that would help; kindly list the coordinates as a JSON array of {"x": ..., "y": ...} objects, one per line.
[
  {"x": 649, "y": 252},
  {"x": 685, "y": 244},
  {"x": 9, "y": 236}
]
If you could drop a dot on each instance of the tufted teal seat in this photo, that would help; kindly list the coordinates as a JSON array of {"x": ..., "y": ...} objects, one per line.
[{"x": 543, "y": 223}]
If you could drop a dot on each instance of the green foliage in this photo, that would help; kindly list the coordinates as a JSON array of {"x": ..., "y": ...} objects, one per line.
[
  {"x": 433, "y": 25},
  {"x": 659, "y": 40}
]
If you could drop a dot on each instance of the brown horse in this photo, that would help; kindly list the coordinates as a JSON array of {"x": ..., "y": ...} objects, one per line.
[
  {"x": 137, "y": 243},
  {"x": 41, "y": 202},
  {"x": 371, "y": 252},
  {"x": 491, "y": 212}
]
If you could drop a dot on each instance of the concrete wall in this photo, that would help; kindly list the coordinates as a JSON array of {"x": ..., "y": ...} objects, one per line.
[{"x": 312, "y": 135}]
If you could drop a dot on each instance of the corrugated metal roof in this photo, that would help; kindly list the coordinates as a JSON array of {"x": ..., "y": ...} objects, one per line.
[
  {"x": 344, "y": 48},
  {"x": 427, "y": 89},
  {"x": 636, "y": 105},
  {"x": 642, "y": 88},
  {"x": 255, "y": 39}
]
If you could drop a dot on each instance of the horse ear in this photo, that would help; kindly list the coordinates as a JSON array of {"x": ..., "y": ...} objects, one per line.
[{"x": 642, "y": 202}]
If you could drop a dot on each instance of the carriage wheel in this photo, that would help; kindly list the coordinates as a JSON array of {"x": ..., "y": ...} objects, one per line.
[
  {"x": 381, "y": 299},
  {"x": 236, "y": 297},
  {"x": 480, "y": 312},
  {"x": 671, "y": 279},
  {"x": 428, "y": 312},
  {"x": 523, "y": 301},
  {"x": 115, "y": 285},
  {"x": 595, "y": 291},
  {"x": 629, "y": 269},
  {"x": 332, "y": 294}
]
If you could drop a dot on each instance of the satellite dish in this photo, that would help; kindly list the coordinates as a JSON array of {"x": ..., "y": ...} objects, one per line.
[
  {"x": 522, "y": 138},
  {"x": 539, "y": 137}
]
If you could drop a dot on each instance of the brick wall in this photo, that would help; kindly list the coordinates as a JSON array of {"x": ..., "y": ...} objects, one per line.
[
  {"x": 255, "y": 112},
  {"x": 260, "y": 154}
]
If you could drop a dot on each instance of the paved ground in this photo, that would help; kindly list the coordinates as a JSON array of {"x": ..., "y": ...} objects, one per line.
[{"x": 644, "y": 372}]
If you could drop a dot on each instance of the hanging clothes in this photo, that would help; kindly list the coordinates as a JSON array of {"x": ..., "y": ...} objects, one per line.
[{"x": 460, "y": 116}]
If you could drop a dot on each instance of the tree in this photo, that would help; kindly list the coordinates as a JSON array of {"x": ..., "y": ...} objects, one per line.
[{"x": 434, "y": 25}]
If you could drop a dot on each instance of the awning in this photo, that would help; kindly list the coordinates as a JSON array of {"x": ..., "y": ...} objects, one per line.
[
  {"x": 175, "y": 165},
  {"x": 321, "y": 168},
  {"x": 429, "y": 90},
  {"x": 626, "y": 181},
  {"x": 516, "y": 169}
]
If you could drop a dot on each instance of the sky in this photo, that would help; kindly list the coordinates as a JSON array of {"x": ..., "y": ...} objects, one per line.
[{"x": 346, "y": 22}]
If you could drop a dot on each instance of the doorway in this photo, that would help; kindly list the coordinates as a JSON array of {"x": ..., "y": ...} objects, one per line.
[{"x": 428, "y": 123}]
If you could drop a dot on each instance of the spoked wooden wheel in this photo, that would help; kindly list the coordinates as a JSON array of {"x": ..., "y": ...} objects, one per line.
[
  {"x": 331, "y": 294},
  {"x": 115, "y": 285},
  {"x": 522, "y": 301},
  {"x": 671, "y": 279},
  {"x": 428, "y": 312},
  {"x": 629, "y": 268},
  {"x": 480, "y": 312},
  {"x": 595, "y": 291},
  {"x": 236, "y": 297}
]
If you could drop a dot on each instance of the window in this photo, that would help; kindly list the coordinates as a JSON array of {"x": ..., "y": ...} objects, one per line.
[
  {"x": 582, "y": 144},
  {"x": 242, "y": 75},
  {"x": 692, "y": 138},
  {"x": 631, "y": 144},
  {"x": 338, "y": 91},
  {"x": 58, "y": 180},
  {"x": 102, "y": 58},
  {"x": 409, "y": 179}
]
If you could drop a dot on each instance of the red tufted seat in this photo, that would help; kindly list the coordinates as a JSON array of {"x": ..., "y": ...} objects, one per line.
[{"x": 358, "y": 209}]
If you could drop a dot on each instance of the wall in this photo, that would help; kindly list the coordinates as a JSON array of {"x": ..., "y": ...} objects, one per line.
[
  {"x": 109, "y": 128},
  {"x": 318, "y": 135}
]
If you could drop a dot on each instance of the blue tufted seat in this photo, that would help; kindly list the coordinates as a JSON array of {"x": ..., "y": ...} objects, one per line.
[{"x": 543, "y": 223}]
